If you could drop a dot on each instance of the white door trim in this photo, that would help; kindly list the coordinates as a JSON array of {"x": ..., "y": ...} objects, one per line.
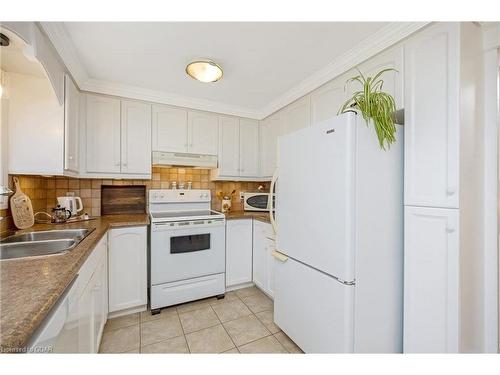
[{"x": 491, "y": 44}]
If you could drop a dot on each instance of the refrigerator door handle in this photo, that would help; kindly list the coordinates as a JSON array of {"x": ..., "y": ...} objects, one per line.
[
  {"x": 271, "y": 200},
  {"x": 279, "y": 256}
]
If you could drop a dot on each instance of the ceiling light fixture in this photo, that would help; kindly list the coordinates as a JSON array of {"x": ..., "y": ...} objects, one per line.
[{"x": 204, "y": 70}]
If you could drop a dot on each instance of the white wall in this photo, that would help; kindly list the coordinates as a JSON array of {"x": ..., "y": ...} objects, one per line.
[
  {"x": 34, "y": 109},
  {"x": 4, "y": 110}
]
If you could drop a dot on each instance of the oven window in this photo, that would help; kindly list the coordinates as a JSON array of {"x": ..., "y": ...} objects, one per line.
[{"x": 189, "y": 244}]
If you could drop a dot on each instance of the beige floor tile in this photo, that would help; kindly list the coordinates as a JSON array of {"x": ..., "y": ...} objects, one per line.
[
  {"x": 198, "y": 319},
  {"x": 231, "y": 310},
  {"x": 195, "y": 305},
  {"x": 122, "y": 321},
  {"x": 120, "y": 340},
  {"x": 146, "y": 316},
  {"x": 287, "y": 343},
  {"x": 267, "y": 318},
  {"x": 267, "y": 344},
  {"x": 229, "y": 296},
  {"x": 245, "y": 292},
  {"x": 160, "y": 330},
  {"x": 209, "y": 340},
  {"x": 246, "y": 329},
  {"x": 231, "y": 351},
  {"x": 258, "y": 303},
  {"x": 133, "y": 351},
  {"x": 175, "y": 345}
]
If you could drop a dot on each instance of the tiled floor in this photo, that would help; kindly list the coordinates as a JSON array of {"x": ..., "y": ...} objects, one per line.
[{"x": 240, "y": 323}]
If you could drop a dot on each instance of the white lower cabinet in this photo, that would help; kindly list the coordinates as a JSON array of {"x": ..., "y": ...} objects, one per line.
[
  {"x": 263, "y": 261},
  {"x": 92, "y": 305},
  {"x": 127, "y": 268},
  {"x": 238, "y": 252},
  {"x": 431, "y": 280}
]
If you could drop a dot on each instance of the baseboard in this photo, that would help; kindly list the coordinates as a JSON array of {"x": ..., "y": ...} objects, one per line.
[
  {"x": 239, "y": 286},
  {"x": 132, "y": 310}
]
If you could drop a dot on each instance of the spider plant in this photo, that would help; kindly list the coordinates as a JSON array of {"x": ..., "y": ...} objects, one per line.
[{"x": 374, "y": 104}]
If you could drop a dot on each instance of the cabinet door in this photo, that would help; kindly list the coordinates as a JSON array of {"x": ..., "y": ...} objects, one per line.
[
  {"x": 136, "y": 138},
  {"x": 103, "y": 134},
  {"x": 170, "y": 130},
  {"x": 229, "y": 146},
  {"x": 71, "y": 130},
  {"x": 327, "y": 100},
  {"x": 431, "y": 280},
  {"x": 431, "y": 117},
  {"x": 127, "y": 268},
  {"x": 249, "y": 148},
  {"x": 203, "y": 133},
  {"x": 270, "y": 130},
  {"x": 86, "y": 321},
  {"x": 297, "y": 115},
  {"x": 238, "y": 252},
  {"x": 259, "y": 256},
  {"x": 99, "y": 302}
]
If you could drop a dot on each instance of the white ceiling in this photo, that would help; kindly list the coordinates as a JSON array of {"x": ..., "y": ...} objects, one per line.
[{"x": 261, "y": 61}]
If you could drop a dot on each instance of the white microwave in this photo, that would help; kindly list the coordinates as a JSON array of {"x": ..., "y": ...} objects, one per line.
[{"x": 257, "y": 201}]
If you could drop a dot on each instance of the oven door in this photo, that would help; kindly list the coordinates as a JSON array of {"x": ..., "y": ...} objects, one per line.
[{"x": 181, "y": 253}]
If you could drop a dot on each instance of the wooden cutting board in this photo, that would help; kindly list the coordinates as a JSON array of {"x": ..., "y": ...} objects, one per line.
[
  {"x": 21, "y": 208},
  {"x": 123, "y": 199}
]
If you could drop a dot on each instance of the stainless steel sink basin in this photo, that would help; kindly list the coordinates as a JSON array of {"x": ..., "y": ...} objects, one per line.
[
  {"x": 35, "y": 248},
  {"x": 47, "y": 235},
  {"x": 41, "y": 243}
]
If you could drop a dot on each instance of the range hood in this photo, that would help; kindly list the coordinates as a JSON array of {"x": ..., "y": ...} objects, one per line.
[{"x": 184, "y": 159}]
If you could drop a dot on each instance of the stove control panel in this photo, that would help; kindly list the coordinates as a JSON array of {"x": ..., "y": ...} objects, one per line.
[{"x": 179, "y": 195}]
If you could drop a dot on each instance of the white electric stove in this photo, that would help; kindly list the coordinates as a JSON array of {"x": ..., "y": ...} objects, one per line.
[{"x": 188, "y": 242}]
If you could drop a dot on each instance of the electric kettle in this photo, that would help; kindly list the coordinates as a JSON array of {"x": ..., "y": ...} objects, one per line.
[{"x": 72, "y": 204}]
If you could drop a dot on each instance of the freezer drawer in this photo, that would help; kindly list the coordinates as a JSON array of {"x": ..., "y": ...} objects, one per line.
[{"x": 314, "y": 309}]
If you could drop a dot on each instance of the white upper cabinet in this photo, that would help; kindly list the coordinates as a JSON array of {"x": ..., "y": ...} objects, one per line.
[
  {"x": 431, "y": 280},
  {"x": 170, "y": 129},
  {"x": 71, "y": 128},
  {"x": 229, "y": 150},
  {"x": 103, "y": 134},
  {"x": 249, "y": 148},
  {"x": 431, "y": 74},
  {"x": 270, "y": 130},
  {"x": 393, "y": 80},
  {"x": 297, "y": 115},
  {"x": 117, "y": 137},
  {"x": 202, "y": 133},
  {"x": 238, "y": 157},
  {"x": 182, "y": 130},
  {"x": 327, "y": 100},
  {"x": 136, "y": 138}
]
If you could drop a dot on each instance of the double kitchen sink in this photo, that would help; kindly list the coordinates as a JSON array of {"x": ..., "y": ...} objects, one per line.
[{"x": 50, "y": 242}]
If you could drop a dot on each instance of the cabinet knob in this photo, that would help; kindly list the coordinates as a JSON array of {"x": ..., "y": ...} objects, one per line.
[
  {"x": 450, "y": 229},
  {"x": 450, "y": 191},
  {"x": 71, "y": 158},
  {"x": 124, "y": 164}
]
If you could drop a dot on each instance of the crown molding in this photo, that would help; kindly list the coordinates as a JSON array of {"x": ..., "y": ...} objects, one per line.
[
  {"x": 162, "y": 97},
  {"x": 369, "y": 47},
  {"x": 58, "y": 35},
  {"x": 376, "y": 43}
]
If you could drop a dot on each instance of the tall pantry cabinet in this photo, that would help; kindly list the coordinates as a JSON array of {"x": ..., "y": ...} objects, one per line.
[{"x": 440, "y": 187}]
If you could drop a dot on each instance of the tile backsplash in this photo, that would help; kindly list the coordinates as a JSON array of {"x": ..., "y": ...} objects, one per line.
[{"x": 44, "y": 190}]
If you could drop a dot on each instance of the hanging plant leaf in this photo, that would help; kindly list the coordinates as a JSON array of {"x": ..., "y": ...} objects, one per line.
[{"x": 374, "y": 104}]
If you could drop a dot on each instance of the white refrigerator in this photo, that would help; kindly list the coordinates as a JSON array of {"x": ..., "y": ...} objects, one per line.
[{"x": 339, "y": 238}]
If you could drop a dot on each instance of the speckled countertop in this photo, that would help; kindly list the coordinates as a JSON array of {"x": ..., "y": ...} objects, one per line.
[
  {"x": 259, "y": 215},
  {"x": 30, "y": 287}
]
